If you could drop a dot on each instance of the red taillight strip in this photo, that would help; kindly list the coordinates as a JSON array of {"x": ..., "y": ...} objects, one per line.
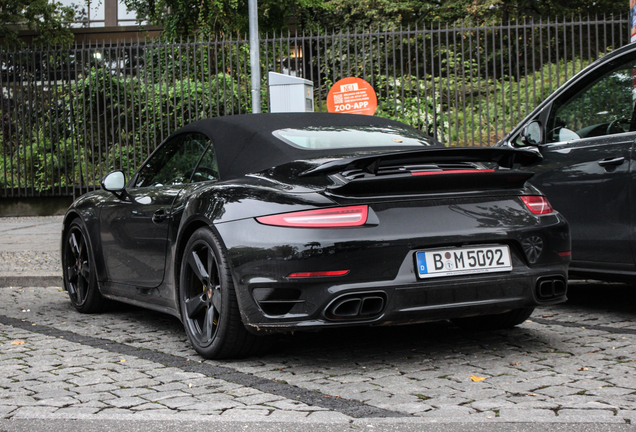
[
  {"x": 565, "y": 254},
  {"x": 463, "y": 171},
  {"x": 338, "y": 217},
  {"x": 319, "y": 274},
  {"x": 537, "y": 204}
]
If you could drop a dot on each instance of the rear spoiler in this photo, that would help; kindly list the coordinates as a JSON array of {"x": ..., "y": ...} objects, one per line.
[{"x": 503, "y": 156}]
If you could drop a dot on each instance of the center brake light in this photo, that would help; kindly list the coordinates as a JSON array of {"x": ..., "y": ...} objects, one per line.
[
  {"x": 338, "y": 217},
  {"x": 458, "y": 171},
  {"x": 537, "y": 204}
]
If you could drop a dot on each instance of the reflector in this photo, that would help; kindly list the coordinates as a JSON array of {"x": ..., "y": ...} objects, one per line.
[{"x": 319, "y": 274}]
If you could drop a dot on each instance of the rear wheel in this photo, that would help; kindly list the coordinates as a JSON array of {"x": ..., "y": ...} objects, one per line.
[
  {"x": 496, "y": 321},
  {"x": 78, "y": 264},
  {"x": 209, "y": 307}
]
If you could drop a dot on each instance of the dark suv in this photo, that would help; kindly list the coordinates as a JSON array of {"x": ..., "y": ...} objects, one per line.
[{"x": 586, "y": 132}]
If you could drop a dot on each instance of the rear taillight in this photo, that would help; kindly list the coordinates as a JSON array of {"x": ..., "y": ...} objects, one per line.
[
  {"x": 339, "y": 217},
  {"x": 537, "y": 204}
]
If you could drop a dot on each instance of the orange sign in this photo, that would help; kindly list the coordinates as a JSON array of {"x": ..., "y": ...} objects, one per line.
[{"x": 352, "y": 95}]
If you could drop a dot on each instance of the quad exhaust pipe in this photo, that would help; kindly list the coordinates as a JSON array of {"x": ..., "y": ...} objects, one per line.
[
  {"x": 551, "y": 287},
  {"x": 356, "y": 306}
]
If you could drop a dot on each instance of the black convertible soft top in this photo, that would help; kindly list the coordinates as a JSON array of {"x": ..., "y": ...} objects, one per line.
[{"x": 244, "y": 143}]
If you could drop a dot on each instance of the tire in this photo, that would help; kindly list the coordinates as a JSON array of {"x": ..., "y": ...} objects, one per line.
[
  {"x": 496, "y": 321},
  {"x": 79, "y": 271},
  {"x": 209, "y": 307}
]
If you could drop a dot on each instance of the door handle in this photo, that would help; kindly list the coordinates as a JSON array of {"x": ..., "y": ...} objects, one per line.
[
  {"x": 611, "y": 161},
  {"x": 159, "y": 216}
]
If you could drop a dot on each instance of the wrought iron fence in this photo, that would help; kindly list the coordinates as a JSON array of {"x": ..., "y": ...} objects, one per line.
[{"x": 71, "y": 114}]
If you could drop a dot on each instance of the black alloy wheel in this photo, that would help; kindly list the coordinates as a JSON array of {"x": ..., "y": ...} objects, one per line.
[
  {"x": 80, "y": 278},
  {"x": 209, "y": 307}
]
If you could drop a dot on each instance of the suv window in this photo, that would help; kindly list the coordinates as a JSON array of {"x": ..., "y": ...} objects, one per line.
[{"x": 604, "y": 107}]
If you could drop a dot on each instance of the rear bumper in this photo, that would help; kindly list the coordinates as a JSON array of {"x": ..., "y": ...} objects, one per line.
[
  {"x": 403, "y": 303},
  {"x": 381, "y": 287}
]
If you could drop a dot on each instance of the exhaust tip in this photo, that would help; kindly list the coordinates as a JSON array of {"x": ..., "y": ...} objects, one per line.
[
  {"x": 347, "y": 307},
  {"x": 551, "y": 287},
  {"x": 356, "y": 306}
]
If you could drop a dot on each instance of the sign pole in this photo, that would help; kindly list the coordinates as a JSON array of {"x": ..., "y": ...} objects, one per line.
[{"x": 255, "y": 55}]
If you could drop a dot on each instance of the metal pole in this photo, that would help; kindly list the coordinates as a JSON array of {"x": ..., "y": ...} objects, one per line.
[{"x": 255, "y": 66}]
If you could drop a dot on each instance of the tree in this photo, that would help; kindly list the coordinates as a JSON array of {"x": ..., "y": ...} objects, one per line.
[
  {"x": 46, "y": 18},
  {"x": 350, "y": 13},
  {"x": 183, "y": 18}
]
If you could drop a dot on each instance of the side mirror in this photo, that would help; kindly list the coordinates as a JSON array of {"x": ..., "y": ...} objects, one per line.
[
  {"x": 114, "y": 182},
  {"x": 532, "y": 134}
]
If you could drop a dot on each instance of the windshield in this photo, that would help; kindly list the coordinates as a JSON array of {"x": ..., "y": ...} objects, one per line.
[{"x": 344, "y": 137}]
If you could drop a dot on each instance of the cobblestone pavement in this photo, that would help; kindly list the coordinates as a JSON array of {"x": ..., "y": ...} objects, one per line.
[
  {"x": 29, "y": 250},
  {"x": 569, "y": 363}
]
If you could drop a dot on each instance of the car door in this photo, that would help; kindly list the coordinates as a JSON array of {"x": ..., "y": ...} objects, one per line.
[
  {"x": 589, "y": 136},
  {"x": 134, "y": 230}
]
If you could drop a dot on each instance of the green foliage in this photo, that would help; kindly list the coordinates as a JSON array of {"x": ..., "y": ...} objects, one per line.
[
  {"x": 41, "y": 162},
  {"x": 476, "y": 113},
  {"x": 339, "y": 14},
  {"x": 57, "y": 156},
  {"x": 47, "y": 18},
  {"x": 185, "y": 18},
  {"x": 111, "y": 120}
]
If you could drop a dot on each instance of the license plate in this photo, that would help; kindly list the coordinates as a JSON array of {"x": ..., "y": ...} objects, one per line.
[{"x": 465, "y": 260}]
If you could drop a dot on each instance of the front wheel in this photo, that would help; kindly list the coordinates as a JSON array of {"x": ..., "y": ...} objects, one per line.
[
  {"x": 496, "y": 321},
  {"x": 209, "y": 307},
  {"x": 78, "y": 266}
]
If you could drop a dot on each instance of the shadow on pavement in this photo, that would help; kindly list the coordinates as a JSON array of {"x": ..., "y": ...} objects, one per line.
[{"x": 601, "y": 296}]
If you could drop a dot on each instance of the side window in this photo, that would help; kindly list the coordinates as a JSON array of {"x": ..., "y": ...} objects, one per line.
[
  {"x": 604, "y": 107},
  {"x": 175, "y": 161},
  {"x": 207, "y": 169}
]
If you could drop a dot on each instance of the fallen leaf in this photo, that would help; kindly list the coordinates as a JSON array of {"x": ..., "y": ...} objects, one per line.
[
  {"x": 583, "y": 369},
  {"x": 17, "y": 342},
  {"x": 122, "y": 360},
  {"x": 547, "y": 316},
  {"x": 514, "y": 364},
  {"x": 476, "y": 378}
]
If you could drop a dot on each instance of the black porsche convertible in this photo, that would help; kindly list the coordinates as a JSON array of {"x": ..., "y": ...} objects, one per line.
[{"x": 252, "y": 224}]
